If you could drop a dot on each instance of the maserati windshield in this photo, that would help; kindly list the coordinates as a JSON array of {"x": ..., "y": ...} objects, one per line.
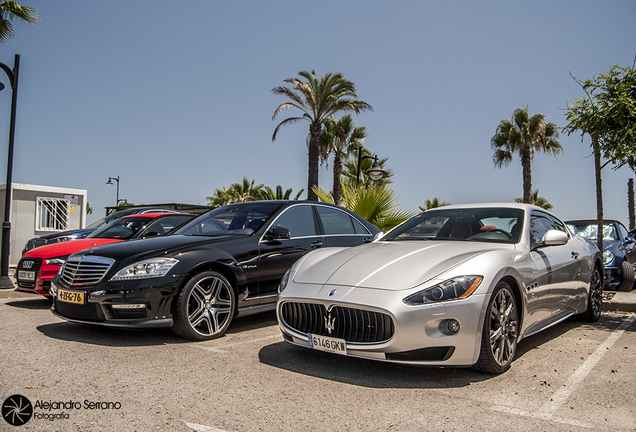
[{"x": 501, "y": 225}]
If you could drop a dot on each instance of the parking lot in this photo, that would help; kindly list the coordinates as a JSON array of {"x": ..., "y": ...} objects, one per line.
[{"x": 572, "y": 377}]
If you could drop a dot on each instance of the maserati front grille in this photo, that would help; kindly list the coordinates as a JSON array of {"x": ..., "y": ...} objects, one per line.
[{"x": 352, "y": 325}]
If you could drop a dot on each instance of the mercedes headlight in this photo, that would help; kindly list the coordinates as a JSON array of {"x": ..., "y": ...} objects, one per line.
[
  {"x": 150, "y": 268},
  {"x": 608, "y": 257},
  {"x": 451, "y": 289}
]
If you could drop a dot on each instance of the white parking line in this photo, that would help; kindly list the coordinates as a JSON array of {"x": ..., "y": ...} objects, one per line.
[
  {"x": 202, "y": 428},
  {"x": 223, "y": 348},
  {"x": 561, "y": 395}
]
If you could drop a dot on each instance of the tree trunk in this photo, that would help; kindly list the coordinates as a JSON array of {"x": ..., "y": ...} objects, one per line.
[
  {"x": 630, "y": 204},
  {"x": 599, "y": 191},
  {"x": 526, "y": 166},
  {"x": 337, "y": 171},
  {"x": 313, "y": 156}
]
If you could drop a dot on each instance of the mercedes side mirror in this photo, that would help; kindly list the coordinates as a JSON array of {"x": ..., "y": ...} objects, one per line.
[{"x": 277, "y": 233}]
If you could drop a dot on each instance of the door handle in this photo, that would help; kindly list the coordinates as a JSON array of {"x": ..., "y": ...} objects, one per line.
[
  {"x": 575, "y": 255},
  {"x": 316, "y": 244},
  {"x": 368, "y": 240}
]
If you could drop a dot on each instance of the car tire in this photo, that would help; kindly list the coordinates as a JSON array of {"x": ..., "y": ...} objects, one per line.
[
  {"x": 205, "y": 307},
  {"x": 500, "y": 331},
  {"x": 627, "y": 277},
  {"x": 594, "y": 298}
]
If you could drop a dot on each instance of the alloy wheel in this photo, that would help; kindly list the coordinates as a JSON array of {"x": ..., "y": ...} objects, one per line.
[
  {"x": 503, "y": 327},
  {"x": 210, "y": 306}
]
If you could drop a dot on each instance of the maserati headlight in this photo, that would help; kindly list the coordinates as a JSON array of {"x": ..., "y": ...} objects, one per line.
[
  {"x": 150, "y": 268},
  {"x": 451, "y": 289},
  {"x": 284, "y": 281},
  {"x": 608, "y": 257}
]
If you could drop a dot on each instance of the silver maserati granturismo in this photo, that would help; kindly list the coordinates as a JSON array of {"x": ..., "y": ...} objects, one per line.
[{"x": 453, "y": 286}]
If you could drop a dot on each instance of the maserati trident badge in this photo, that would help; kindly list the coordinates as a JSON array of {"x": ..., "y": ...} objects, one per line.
[{"x": 330, "y": 323}]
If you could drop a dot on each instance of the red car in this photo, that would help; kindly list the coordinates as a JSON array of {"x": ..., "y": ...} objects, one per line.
[{"x": 38, "y": 266}]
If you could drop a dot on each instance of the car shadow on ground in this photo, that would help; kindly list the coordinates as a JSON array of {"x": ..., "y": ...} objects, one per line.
[
  {"x": 34, "y": 303},
  {"x": 252, "y": 322},
  {"x": 376, "y": 374},
  {"x": 121, "y": 337},
  {"x": 365, "y": 373},
  {"x": 109, "y": 336}
]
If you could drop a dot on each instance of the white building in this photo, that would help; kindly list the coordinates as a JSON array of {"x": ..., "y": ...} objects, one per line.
[{"x": 41, "y": 210}]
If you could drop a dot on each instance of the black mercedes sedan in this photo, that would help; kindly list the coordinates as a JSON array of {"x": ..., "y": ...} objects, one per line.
[{"x": 223, "y": 263}]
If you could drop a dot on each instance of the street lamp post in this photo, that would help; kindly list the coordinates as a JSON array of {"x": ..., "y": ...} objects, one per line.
[
  {"x": 5, "y": 281},
  {"x": 375, "y": 173},
  {"x": 109, "y": 182}
]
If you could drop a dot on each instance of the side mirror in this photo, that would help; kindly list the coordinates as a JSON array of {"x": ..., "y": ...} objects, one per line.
[
  {"x": 554, "y": 238},
  {"x": 629, "y": 240},
  {"x": 277, "y": 233}
]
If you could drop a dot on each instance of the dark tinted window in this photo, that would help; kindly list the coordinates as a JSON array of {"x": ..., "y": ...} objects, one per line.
[
  {"x": 335, "y": 221},
  {"x": 164, "y": 225},
  {"x": 360, "y": 229},
  {"x": 122, "y": 228},
  {"x": 299, "y": 220}
]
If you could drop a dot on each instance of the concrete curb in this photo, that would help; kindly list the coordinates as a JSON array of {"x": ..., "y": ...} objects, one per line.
[{"x": 619, "y": 301}]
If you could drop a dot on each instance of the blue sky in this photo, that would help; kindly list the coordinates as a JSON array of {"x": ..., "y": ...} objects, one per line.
[{"x": 174, "y": 97}]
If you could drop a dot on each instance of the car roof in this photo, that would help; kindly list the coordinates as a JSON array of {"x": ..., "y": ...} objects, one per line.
[
  {"x": 592, "y": 221},
  {"x": 155, "y": 215},
  {"x": 516, "y": 205}
]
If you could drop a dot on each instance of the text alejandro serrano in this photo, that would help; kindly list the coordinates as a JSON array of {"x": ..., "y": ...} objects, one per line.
[{"x": 55, "y": 405}]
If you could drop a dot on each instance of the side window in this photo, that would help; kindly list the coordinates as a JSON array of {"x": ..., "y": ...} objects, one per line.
[
  {"x": 558, "y": 225},
  {"x": 167, "y": 224},
  {"x": 539, "y": 224},
  {"x": 360, "y": 229},
  {"x": 335, "y": 221},
  {"x": 623, "y": 231},
  {"x": 299, "y": 220}
]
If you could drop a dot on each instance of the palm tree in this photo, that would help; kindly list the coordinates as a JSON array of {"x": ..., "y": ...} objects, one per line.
[
  {"x": 237, "y": 192},
  {"x": 524, "y": 135},
  {"x": 268, "y": 194},
  {"x": 220, "y": 197},
  {"x": 378, "y": 205},
  {"x": 434, "y": 203},
  {"x": 537, "y": 200},
  {"x": 340, "y": 137},
  {"x": 10, "y": 10},
  {"x": 318, "y": 99}
]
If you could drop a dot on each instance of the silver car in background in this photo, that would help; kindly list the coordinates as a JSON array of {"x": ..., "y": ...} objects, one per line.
[{"x": 453, "y": 286}]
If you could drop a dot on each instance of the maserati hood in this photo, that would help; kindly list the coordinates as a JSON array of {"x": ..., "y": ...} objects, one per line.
[{"x": 387, "y": 265}]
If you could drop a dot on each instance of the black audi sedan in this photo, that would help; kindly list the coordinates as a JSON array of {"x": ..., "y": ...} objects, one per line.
[{"x": 222, "y": 264}]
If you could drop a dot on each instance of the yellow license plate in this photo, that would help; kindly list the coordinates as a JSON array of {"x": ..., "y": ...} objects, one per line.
[{"x": 70, "y": 296}]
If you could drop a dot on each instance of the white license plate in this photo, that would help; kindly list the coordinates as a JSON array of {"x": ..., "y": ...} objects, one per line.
[
  {"x": 24, "y": 275},
  {"x": 329, "y": 344}
]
